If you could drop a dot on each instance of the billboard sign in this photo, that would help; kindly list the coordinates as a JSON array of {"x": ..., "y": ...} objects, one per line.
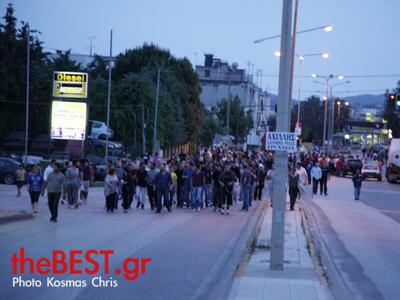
[
  {"x": 70, "y": 84},
  {"x": 68, "y": 120},
  {"x": 281, "y": 141}
]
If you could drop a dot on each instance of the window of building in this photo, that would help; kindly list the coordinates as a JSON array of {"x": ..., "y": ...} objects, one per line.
[{"x": 207, "y": 73}]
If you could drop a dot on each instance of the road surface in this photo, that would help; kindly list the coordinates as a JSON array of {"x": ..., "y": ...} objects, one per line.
[{"x": 193, "y": 254}]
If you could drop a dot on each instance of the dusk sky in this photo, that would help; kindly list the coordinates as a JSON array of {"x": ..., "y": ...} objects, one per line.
[{"x": 364, "y": 40}]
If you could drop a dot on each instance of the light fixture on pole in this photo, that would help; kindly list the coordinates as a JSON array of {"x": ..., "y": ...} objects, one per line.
[
  {"x": 27, "y": 94},
  {"x": 327, "y": 98},
  {"x": 326, "y": 28},
  {"x": 110, "y": 65}
]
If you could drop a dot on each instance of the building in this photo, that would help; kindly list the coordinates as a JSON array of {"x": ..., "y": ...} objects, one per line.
[{"x": 219, "y": 80}]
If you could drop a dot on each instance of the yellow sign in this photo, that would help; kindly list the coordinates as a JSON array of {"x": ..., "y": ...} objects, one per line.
[
  {"x": 68, "y": 120},
  {"x": 70, "y": 84}
]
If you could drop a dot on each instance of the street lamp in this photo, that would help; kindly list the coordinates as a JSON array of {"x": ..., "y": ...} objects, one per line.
[
  {"x": 326, "y": 28},
  {"x": 301, "y": 57},
  {"x": 326, "y": 98}
]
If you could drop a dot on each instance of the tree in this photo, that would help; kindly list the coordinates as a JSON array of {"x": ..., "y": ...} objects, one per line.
[
  {"x": 211, "y": 126},
  {"x": 240, "y": 122},
  {"x": 312, "y": 114},
  {"x": 392, "y": 112}
]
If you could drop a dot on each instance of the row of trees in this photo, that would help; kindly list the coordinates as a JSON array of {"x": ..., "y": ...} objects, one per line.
[{"x": 180, "y": 114}]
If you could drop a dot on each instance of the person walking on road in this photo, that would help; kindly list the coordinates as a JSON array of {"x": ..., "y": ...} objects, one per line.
[
  {"x": 357, "y": 182},
  {"x": 217, "y": 189},
  {"x": 271, "y": 178},
  {"x": 261, "y": 175},
  {"x": 303, "y": 178},
  {"x": 151, "y": 187},
  {"x": 35, "y": 186},
  {"x": 54, "y": 184},
  {"x": 142, "y": 184},
  {"x": 48, "y": 169},
  {"x": 197, "y": 183},
  {"x": 316, "y": 174},
  {"x": 163, "y": 183},
  {"x": 324, "y": 176},
  {"x": 293, "y": 182},
  {"x": 73, "y": 185},
  {"x": 87, "y": 178},
  {"x": 187, "y": 175},
  {"x": 20, "y": 176},
  {"x": 127, "y": 182},
  {"x": 245, "y": 181},
  {"x": 111, "y": 183},
  {"x": 227, "y": 180}
]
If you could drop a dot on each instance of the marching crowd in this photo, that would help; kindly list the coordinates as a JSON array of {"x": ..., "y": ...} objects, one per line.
[{"x": 214, "y": 177}]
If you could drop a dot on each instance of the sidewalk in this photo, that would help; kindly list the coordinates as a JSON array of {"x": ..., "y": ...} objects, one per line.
[
  {"x": 297, "y": 281},
  {"x": 358, "y": 245}
]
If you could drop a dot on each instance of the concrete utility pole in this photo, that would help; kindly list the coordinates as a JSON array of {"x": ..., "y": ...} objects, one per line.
[
  {"x": 109, "y": 94},
  {"x": 281, "y": 158},
  {"x": 143, "y": 131},
  {"x": 27, "y": 95},
  {"x": 155, "y": 144},
  {"x": 293, "y": 55},
  {"x": 228, "y": 110}
]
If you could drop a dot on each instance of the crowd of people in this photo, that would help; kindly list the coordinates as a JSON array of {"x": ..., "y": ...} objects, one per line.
[{"x": 213, "y": 177}]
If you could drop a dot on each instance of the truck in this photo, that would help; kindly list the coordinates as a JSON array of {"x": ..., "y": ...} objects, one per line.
[{"x": 393, "y": 161}]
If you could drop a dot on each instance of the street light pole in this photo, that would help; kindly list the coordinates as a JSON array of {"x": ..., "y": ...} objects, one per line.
[
  {"x": 292, "y": 55},
  {"x": 325, "y": 114},
  {"x": 279, "y": 186},
  {"x": 27, "y": 94},
  {"x": 299, "y": 98},
  {"x": 228, "y": 111},
  {"x": 155, "y": 145},
  {"x": 109, "y": 94},
  {"x": 327, "y": 97},
  {"x": 143, "y": 130}
]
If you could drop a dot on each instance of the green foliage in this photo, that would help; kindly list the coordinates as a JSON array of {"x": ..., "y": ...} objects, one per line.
[
  {"x": 180, "y": 114},
  {"x": 240, "y": 121},
  {"x": 392, "y": 113}
]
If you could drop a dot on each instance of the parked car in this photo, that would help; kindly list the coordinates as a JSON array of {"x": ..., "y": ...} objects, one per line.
[
  {"x": 351, "y": 166},
  {"x": 99, "y": 130},
  {"x": 371, "y": 171},
  {"x": 8, "y": 167}
]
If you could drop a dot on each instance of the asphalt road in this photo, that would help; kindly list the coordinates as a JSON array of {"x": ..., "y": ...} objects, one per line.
[
  {"x": 383, "y": 196},
  {"x": 192, "y": 253}
]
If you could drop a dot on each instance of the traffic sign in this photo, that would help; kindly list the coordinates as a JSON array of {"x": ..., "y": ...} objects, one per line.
[
  {"x": 283, "y": 141},
  {"x": 70, "y": 84}
]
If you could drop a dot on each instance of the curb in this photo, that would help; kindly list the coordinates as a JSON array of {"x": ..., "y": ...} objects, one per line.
[
  {"x": 220, "y": 280},
  {"x": 321, "y": 256},
  {"x": 311, "y": 246},
  {"x": 14, "y": 216}
]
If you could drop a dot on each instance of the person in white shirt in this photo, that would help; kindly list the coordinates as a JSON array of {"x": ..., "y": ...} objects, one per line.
[
  {"x": 316, "y": 175},
  {"x": 49, "y": 169},
  {"x": 303, "y": 178}
]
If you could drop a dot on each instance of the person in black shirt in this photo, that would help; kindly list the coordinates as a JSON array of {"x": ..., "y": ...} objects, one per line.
[
  {"x": 226, "y": 180},
  {"x": 179, "y": 186},
  {"x": 127, "y": 182},
  {"x": 293, "y": 183},
  {"x": 208, "y": 172},
  {"x": 217, "y": 190}
]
